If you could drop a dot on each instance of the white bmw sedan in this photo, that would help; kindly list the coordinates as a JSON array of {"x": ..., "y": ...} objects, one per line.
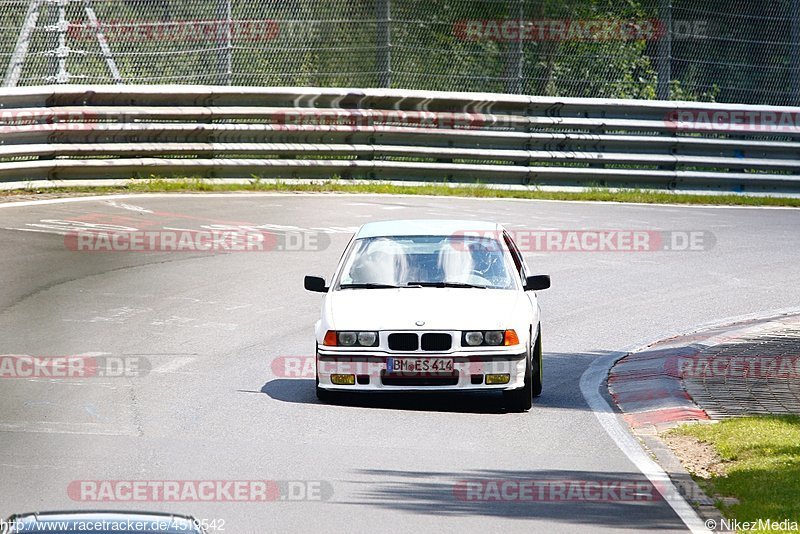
[{"x": 422, "y": 305}]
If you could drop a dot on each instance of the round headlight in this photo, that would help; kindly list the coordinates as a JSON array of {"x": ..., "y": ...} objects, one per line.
[
  {"x": 367, "y": 339},
  {"x": 494, "y": 337},
  {"x": 347, "y": 339},
  {"x": 474, "y": 338}
]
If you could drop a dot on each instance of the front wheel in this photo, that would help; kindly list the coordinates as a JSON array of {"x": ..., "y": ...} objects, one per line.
[
  {"x": 323, "y": 395},
  {"x": 521, "y": 399},
  {"x": 536, "y": 358}
]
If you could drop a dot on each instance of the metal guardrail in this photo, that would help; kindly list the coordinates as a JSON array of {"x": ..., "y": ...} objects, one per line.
[{"x": 67, "y": 132}]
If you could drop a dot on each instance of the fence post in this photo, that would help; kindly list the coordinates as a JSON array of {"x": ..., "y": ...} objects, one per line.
[
  {"x": 384, "y": 42},
  {"x": 794, "y": 53},
  {"x": 664, "y": 62},
  {"x": 62, "y": 76},
  {"x": 514, "y": 56},
  {"x": 224, "y": 41}
]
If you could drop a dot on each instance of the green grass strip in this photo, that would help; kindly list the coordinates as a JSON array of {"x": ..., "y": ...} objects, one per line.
[{"x": 597, "y": 194}]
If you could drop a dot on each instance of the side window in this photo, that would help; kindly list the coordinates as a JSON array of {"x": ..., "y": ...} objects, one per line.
[{"x": 519, "y": 263}]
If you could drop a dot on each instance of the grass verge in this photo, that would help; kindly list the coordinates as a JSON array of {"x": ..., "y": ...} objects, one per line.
[
  {"x": 160, "y": 185},
  {"x": 761, "y": 458}
]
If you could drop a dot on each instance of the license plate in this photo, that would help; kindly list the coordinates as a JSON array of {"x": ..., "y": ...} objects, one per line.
[{"x": 419, "y": 365}]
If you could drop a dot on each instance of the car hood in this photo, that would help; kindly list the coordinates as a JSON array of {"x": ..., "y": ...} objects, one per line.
[{"x": 439, "y": 308}]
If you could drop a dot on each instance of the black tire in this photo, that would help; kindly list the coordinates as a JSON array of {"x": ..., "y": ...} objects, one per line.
[
  {"x": 536, "y": 358},
  {"x": 323, "y": 395},
  {"x": 521, "y": 399}
]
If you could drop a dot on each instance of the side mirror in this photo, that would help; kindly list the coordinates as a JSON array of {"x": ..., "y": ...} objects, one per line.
[
  {"x": 536, "y": 283},
  {"x": 315, "y": 284}
]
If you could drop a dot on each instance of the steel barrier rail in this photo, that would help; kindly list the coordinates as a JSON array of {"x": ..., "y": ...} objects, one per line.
[
  {"x": 64, "y": 132},
  {"x": 161, "y": 132}
]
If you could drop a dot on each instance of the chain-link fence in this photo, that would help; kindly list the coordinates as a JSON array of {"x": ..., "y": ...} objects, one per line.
[{"x": 725, "y": 50}]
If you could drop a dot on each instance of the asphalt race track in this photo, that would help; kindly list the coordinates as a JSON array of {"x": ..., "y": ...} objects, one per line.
[{"x": 211, "y": 406}]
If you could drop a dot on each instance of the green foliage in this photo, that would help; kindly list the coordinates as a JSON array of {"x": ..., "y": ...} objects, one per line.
[
  {"x": 762, "y": 466},
  {"x": 722, "y": 50},
  {"x": 157, "y": 184}
]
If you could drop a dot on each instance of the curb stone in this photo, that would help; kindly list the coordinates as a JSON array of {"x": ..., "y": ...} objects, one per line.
[{"x": 648, "y": 388}]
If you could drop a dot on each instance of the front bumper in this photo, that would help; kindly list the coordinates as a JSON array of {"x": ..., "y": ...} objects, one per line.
[{"x": 469, "y": 372}]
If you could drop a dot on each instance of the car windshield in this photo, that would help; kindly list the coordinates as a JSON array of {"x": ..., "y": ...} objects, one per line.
[{"x": 435, "y": 261}]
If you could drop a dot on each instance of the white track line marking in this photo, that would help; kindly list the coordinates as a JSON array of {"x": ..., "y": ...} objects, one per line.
[
  {"x": 173, "y": 365},
  {"x": 129, "y": 207},
  {"x": 55, "y": 427},
  {"x": 245, "y": 194},
  {"x": 592, "y": 380},
  {"x": 51, "y": 232},
  {"x": 173, "y": 229}
]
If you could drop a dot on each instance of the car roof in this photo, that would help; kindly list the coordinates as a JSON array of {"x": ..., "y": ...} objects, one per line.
[{"x": 437, "y": 227}]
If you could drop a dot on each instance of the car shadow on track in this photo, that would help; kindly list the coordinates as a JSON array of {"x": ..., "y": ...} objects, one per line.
[
  {"x": 302, "y": 391},
  {"x": 611, "y": 499}
]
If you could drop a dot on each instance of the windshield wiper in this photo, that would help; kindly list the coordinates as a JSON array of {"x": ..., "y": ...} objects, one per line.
[
  {"x": 367, "y": 286},
  {"x": 445, "y": 284}
]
